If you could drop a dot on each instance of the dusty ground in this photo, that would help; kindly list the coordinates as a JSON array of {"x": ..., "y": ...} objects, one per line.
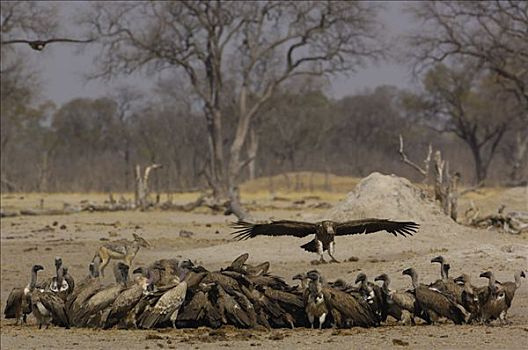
[{"x": 26, "y": 241}]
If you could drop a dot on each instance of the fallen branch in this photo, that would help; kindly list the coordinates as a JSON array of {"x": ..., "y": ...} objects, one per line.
[{"x": 512, "y": 222}]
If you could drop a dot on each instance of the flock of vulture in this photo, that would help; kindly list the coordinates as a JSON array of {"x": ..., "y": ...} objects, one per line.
[{"x": 174, "y": 293}]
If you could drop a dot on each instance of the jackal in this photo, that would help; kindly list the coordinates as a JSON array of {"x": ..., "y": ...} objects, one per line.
[{"x": 119, "y": 250}]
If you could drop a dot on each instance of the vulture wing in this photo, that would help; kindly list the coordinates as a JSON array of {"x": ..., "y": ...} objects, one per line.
[
  {"x": 239, "y": 262},
  {"x": 275, "y": 228},
  {"x": 14, "y": 301},
  {"x": 65, "y": 40},
  {"x": 17, "y": 41},
  {"x": 403, "y": 228}
]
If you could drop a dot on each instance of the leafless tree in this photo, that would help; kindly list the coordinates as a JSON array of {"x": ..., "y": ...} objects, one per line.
[
  {"x": 494, "y": 34},
  {"x": 463, "y": 101},
  {"x": 20, "y": 82},
  {"x": 260, "y": 44},
  {"x": 28, "y": 18}
]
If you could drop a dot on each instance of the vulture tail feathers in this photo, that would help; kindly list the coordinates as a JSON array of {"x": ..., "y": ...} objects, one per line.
[{"x": 310, "y": 246}]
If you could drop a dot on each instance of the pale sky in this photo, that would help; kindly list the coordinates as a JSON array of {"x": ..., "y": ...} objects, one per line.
[{"x": 62, "y": 69}]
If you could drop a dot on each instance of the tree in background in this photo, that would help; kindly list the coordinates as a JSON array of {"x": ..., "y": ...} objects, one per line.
[
  {"x": 19, "y": 116},
  {"x": 258, "y": 45},
  {"x": 493, "y": 36},
  {"x": 464, "y": 102},
  {"x": 366, "y": 127}
]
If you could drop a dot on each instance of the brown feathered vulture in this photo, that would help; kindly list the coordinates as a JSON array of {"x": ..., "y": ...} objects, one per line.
[{"x": 324, "y": 231}]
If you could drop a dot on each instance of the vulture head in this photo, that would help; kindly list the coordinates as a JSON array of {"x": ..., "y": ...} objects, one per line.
[
  {"x": 361, "y": 277},
  {"x": 383, "y": 277},
  {"x": 313, "y": 275},
  {"x": 327, "y": 226},
  {"x": 439, "y": 259},
  {"x": 58, "y": 262},
  {"x": 409, "y": 272},
  {"x": 37, "y": 268},
  {"x": 486, "y": 274}
]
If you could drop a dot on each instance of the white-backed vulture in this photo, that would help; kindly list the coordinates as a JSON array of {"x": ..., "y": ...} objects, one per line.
[
  {"x": 400, "y": 305},
  {"x": 434, "y": 302},
  {"x": 446, "y": 285},
  {"x": 92, "y": 312},
  {"x": 47, "y": 307},
  {"x": 314, "y": 301},
  {"x": 19, "y": 300},
  {"x": 469, "y": 296},
  {"x": 167, "y": 306},
  {"x": 126, "y": 301},
  {"x": 493, "y": 304},
  {"x": 373, "y": 295}
]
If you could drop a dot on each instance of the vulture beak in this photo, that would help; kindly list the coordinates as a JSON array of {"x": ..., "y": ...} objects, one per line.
[
  {"x": 406, "y": 272},
  {"x": 485, "y": 274},
  {"x": 379, "y": 278},
  {"x": 523, "y": 274}
]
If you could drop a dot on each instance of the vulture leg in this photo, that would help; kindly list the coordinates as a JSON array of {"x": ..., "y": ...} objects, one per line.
[
  {"x": 320, "y": 251},
  {"x": 503, "y": 320},
  {"x": 331, "y": 251},
  {"x": 321, "y": 320}
]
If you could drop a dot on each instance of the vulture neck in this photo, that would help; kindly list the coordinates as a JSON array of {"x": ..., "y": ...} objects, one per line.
[
  {"x": 60, "y": 277},
  {"x": 316, "y": 287},
  {"x": 33, "y": 281},
  {"x": 445, "y": 274},
  {"x": 304, "y": 283},
  {"x": 385, "y": 285},
  {"x": 492, "y": 286},
  {"x": 442, "y": 271},
  {"x": 414, "y": 279}
]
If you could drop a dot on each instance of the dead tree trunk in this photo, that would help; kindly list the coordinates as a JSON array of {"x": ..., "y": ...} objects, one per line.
[
  {"x": 142, "y": 189},
  {"x": 439, "y": 191},
  {"x": 445, "y": 186},
  {"x": 234, "y": 207},
  {"x": 427, "y": 161},
  {"x": 252, "y": 153},
  {"x": 519, "y": 156}
]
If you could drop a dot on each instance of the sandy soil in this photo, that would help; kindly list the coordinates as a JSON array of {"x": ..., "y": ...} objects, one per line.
[{"x": 27, "y": 240}]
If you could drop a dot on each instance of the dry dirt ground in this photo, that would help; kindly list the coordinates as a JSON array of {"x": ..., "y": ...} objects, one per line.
[{"x": 26, "y": 240}]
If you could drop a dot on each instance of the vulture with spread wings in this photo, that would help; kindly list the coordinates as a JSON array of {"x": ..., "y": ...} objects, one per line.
[
  {"x": 325, "y": 231},
  {"x": 40, "y": 44}
]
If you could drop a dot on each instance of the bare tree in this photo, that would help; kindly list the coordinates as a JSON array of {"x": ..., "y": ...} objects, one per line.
[
  {"x": 20, "y": 83},
  {"x": 461, "y": 101},
  {"x": 515, "y": 152},
  {"x": 494, "y": 34},
  {"x": 261, "y": 44},
  {"x": 28, "y": 18}
]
